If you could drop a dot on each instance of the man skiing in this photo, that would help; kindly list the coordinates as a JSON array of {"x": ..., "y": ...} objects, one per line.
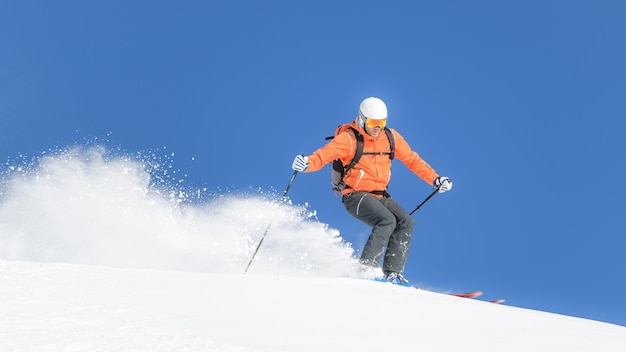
[{"x": 364, "y": 187}]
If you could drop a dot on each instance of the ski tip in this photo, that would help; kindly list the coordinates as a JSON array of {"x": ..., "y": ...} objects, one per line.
[
  {"x": 498, "y": 301},
  {"x": 472, "y": 294}
]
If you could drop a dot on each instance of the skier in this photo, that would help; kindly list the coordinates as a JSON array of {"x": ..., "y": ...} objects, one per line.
[{"x": 365, "y": 192}]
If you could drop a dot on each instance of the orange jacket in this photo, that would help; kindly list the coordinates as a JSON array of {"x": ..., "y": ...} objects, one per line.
[{"x": 372, "y": 172}]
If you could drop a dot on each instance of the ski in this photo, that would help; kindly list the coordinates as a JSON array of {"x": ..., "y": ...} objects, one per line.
[
  {"x": 498, "y": 301},
  {"x": 472, "y": 294}
]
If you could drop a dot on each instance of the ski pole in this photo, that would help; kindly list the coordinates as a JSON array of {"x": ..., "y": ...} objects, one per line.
[
  {"x": 425, "y": 200},
  {"x": 283, "y": 198},
  {"x": 293, "y": 177}
]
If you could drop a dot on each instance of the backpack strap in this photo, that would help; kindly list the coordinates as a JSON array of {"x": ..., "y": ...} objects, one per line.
[
  {"x": 359, "y": 150},
  {"x": 392, "y": 143}
]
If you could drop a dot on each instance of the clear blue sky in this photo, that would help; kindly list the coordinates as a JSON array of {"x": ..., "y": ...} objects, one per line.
[{"x": 520, "y": 103}]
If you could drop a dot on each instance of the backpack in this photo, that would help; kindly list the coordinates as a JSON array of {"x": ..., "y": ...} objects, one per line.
[{"x": 339, "y": 170}]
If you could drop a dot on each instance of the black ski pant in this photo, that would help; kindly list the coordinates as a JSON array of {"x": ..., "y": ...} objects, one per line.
[{"x": 392, "y": 228}]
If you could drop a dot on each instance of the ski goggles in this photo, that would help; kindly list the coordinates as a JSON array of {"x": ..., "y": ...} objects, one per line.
[{"x": 371, "y": 123}]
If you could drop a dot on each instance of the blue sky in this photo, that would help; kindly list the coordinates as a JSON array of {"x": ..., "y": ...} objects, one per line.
[{"x": 521, "y": 104}]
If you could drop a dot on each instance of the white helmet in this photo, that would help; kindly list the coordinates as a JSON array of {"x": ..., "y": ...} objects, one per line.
[{"x": 372, "y": 108}]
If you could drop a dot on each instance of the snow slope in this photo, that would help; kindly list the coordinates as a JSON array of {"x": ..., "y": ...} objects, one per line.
[
  {"x": 70, "y": 307},
  {"x": 99, "y": 252}
]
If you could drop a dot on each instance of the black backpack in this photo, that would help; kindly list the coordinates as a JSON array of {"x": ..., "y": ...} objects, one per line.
[{"x": 339, "y": 170}]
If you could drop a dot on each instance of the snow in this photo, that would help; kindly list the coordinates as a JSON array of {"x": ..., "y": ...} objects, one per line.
[
  {"x": 77, "y": 307},
  {"x": 96, "y": 257}
]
